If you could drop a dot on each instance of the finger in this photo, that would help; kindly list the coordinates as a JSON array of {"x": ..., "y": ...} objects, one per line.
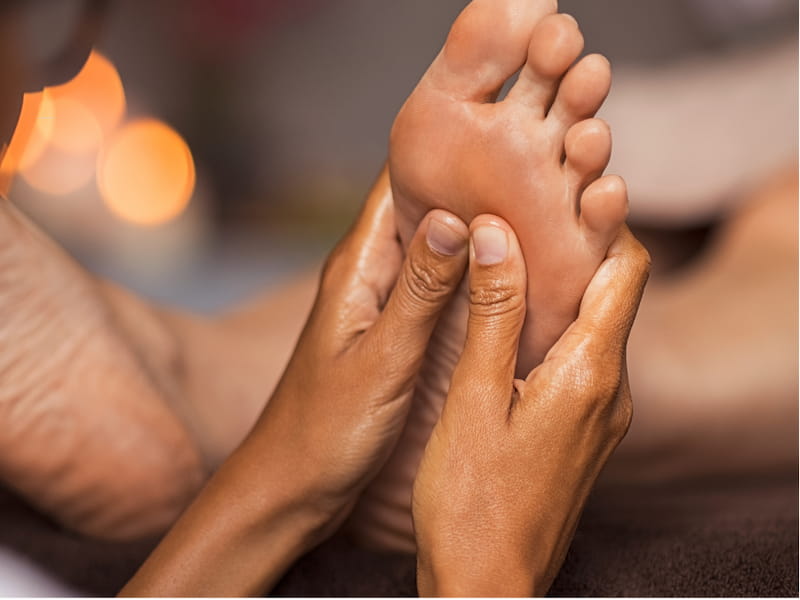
[
  {"x": 497, "y": 288},
  {"x": 376, "y": 217},
  {"x": 433, "y": 268},
  {"x": 369, "y": 256},
  {"x": 611, "y": 300}
]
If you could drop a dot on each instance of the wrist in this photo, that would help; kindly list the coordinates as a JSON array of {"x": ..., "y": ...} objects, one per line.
[
  {"x": 286, "y": 484},
  {"x": 247, "y": 527}
]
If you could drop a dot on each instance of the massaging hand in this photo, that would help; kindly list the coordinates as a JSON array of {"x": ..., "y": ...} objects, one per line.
[
  {"x": 342, "y": 402},
  {"x": 510, "y": 463},
  {"x": 333, "y": 419}
]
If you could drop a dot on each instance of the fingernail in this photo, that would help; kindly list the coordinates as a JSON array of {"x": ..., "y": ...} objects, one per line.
[
  {"x": 491, "y": 245},
  {"x": 445, "y": 240}
]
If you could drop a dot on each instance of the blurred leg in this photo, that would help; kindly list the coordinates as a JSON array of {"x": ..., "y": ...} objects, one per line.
[
  {"x": 112, "y": 410},
  {"x": 713, "y": 356},
  {"x": 711, "y": 126}
]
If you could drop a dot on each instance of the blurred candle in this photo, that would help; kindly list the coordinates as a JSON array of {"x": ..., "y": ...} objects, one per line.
[{"x": 146, "y": 173}]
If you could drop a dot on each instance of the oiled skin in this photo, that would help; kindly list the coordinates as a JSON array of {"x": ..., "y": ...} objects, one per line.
[{"x": 534, "y": 159}]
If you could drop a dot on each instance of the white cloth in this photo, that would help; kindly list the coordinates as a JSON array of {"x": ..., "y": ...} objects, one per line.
[{"x": 19, "y": 577}]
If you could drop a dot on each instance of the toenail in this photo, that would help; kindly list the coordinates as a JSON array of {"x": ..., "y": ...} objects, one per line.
[
  {"x": 444, "y": 239},
  {"x": 491, "y": 245}
]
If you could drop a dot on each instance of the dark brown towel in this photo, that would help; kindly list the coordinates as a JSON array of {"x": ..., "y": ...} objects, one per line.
[{"x": 721, "y": 539}]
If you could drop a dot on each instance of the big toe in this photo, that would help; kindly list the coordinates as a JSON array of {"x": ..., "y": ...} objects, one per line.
[
  {"x": 487, "y": 44},
  {"x": 554, "y": 45},
  {"x": 603, "y": 209}
]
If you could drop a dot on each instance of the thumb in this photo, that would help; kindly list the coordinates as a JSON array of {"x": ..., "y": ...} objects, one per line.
[
  {"x": 613, "y": 296},
  {"x": 610, "y": 303},
  {"x": 433, "y": 268},
  {"x": 497, "y": 290}
]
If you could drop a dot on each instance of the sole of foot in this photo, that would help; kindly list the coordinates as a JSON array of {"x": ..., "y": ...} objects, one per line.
[
  {"x": 534, "y": 158},
  {"x": 86, "y": 433}
]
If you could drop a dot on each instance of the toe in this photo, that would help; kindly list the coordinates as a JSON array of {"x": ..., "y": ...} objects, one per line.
[
  {"x": 487, "y": 44},
  {"x": 581, "y": 92},
  {"x": 587, "y": 147},
  {"x": 555, "y": 44},
  {"x": 604, "y": 207}
]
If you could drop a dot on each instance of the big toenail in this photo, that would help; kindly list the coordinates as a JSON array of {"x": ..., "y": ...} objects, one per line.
[
  {"x": 491, "y": 245},
  {"x": 444, "y": 239}
]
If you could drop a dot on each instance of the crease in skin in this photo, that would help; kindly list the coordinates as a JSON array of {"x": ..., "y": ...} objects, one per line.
[
  {"x": 87, "y": 436},
  {"x": 558, "y": 449}
]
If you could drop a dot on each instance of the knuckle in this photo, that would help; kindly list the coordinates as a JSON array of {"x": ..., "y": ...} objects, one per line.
[
  {"x": 598, "y": 379},
  {"x": 602, "y": 387},
  {"x": 496, "y": 299},
  {"x": 424, "y": 282},
  {"x": 622, "y": 418},
  {"x": 641, "y": 258},
  {"x": 599, "y": 399},
  {"x": 645, "y": 260}
]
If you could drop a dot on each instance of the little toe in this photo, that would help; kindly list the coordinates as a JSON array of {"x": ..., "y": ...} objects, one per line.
[
  {"x": 603, "y": 209},
  {"x": 587, "y": 147},
  {"x": 487, "y": 44},
  {"x": 554, "y": 45},
  {"x": 581, "y": 92}
]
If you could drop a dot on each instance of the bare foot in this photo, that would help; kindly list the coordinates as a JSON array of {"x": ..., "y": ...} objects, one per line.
[
  {"x": 534, "y": 159},
  {"x": 86, "y": 433},
  {"x": 529, "y": 159}
]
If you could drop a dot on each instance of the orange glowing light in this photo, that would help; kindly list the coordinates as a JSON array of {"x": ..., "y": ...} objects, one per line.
[
  {"x": 74, "y": 128},
  {"x": 59, "y": 173},
  {"x": 61, "y": 129},
  {"x": 146, "y": 173},
  {"x": 31, "y": 133},
  {"x": 43, "y": 125},
  {"x": 97, "y": 87}
]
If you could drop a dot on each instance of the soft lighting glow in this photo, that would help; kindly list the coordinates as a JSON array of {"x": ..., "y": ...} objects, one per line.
[
  {"x": 61, "y": 129},
  {"x": 146, "y": 173},
  {"x": 74, "y": 128},
  {"x": 59, "y": 173},
  {"x": 43, "y": 116},
  {"x": 31, "y": 133},
  {"x": 98, "y": 88}
]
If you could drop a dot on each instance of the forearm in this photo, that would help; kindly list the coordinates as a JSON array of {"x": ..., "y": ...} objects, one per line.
[{"x": 249, "y": 524}]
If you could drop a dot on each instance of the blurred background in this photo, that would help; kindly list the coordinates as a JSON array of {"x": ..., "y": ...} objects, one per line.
[{"x": 209, "y": 149}]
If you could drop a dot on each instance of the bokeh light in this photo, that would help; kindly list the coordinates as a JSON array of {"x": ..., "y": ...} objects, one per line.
[
  {"x": 41, "y": 110},
  {"x": 68, "y": 133},
  {"x": 59, "y": 173},
  {"x": 98, "y": 88},
  {"x": 146, "y": 173},
  {"x": 31, "y": 134},
  {"x": 74, "y": 128},
  {"x": 61, "y": 129}
]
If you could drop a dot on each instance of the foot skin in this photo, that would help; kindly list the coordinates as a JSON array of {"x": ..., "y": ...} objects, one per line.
[
  {"x": 86, "y": 433},
  {"x": 535, "y": 159}
]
